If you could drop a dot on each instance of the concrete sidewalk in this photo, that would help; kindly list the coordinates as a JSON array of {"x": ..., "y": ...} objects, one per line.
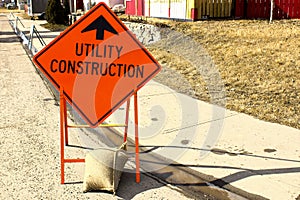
[
  {"x": 258, "y": 157},
  {"x": 235, "y": 149}
]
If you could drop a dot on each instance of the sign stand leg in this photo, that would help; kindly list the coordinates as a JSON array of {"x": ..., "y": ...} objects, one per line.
[
  {"x": 62, "y": 142},
  {"x": 126, "y": 120},
  {"x": 136, "y": 126},
  {"x": 64, "y": 136},
  {"x": 65, "y": 121}
]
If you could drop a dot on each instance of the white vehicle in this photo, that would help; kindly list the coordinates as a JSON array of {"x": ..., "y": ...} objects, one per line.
[
  {"x": 118, "y": 9},
  {"x": 11, "y": 6},
  {"x": 117, "y": 6}
]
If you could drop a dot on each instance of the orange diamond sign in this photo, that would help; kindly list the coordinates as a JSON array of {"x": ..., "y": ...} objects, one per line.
[{"x": 98, "y": 62}]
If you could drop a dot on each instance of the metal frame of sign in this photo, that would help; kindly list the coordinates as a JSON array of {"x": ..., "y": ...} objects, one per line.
[{"x": 64, "y": 141}]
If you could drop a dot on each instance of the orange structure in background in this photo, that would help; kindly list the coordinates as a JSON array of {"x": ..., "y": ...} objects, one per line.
[{"x": 64, "y": 141}]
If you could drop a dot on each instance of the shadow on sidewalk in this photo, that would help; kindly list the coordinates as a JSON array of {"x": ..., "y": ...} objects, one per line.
[
  {"x": 128, "y": 188},
  {"x": 10, "y": 40},
  {"x": 151, "y": 148},
  {"x": 183, "y": 176},
  {"x": 250, "y": 172},
  {"x": 8, "y": 33}
]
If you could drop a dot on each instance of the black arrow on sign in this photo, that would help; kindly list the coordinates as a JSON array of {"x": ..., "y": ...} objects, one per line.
[{"x": 100, "y": 25}]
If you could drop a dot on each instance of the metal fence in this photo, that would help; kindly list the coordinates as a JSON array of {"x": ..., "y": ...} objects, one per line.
[{"x": 260, "y": 9}]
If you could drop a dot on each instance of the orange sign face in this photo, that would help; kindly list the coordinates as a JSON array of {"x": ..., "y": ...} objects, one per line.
[{"x": 98, "y": 62}]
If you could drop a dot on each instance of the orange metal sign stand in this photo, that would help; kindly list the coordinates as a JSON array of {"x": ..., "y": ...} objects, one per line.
[{"x": 64, "y": 141}]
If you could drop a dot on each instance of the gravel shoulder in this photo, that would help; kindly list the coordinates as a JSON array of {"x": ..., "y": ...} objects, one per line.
[{"x": 29, "y": 130}]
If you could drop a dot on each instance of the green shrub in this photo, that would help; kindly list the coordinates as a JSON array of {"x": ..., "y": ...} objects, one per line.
[
  {"x": 55, "y": 12},
  {"x": 67, "y": 11}
]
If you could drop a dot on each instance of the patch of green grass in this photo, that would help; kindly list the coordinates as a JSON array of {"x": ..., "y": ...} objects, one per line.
[{"x": 54, "y": 27}]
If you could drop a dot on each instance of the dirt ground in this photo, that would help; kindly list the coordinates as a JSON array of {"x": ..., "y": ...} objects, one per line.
[{"x": 258, "y": 62}]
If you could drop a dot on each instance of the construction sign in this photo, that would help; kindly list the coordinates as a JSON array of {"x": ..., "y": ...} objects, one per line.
[{"x": 98, "y": 63}]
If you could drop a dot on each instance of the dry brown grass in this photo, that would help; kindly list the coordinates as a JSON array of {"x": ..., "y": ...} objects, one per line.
[
  {"x": 260, "y": 66},
  {"x": 258, "y": 62}
]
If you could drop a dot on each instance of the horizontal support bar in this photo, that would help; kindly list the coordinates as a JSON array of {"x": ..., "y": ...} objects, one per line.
[
  {"x": 101, "y": 125},
  {"x": 74, "y": 160}
]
